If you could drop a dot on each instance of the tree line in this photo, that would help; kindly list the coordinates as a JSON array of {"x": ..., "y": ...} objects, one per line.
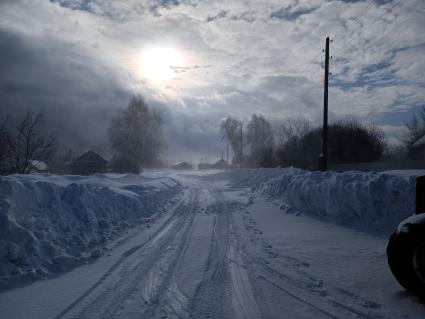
[
  {"x": 297, "y": 142},
  {"x": 135, "y": 137},
  {"x": 136, "y": 141}
]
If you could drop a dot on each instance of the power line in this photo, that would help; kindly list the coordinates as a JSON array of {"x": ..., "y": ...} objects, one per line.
[
  {"x": 390, "y": 30},
  {"x": 351, "y": 22},
  {"x": 310, "y": 62},
  {"x": 395, "y": 27},
  {"x": 361, "y": 31}
]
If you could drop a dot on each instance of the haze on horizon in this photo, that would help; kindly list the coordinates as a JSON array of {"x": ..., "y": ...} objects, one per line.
[{"x": 196, "y": 62}]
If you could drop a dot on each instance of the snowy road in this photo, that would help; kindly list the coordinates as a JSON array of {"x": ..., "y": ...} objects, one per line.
[{"x": 220, "y": 253}]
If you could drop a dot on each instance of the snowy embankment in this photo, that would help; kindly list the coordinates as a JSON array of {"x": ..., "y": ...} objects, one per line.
[
  {"x": 49, "y": 224},
  {"x": 369, "y": 201}
]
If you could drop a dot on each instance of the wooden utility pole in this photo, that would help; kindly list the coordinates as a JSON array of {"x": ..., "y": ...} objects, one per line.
[
  {"x": 323, "y": 159},
  {"x": 227, "y": 151},
  {"x": 241, "y": 143}
]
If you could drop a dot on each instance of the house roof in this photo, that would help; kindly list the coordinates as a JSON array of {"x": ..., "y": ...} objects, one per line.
[
  {"x": 90, "y": 157},
  {"x": 38, "y": 165},
  {"x": 221, "y": 161}
]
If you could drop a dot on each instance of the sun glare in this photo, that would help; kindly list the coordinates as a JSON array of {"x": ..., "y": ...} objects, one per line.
[{"x": 160, "y": 63}]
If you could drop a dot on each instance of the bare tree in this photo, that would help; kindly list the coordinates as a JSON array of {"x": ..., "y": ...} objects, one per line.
[
  {"x": 230, "y": 130},
  {"x": 289, "y": 145},
  {"x": 293, "y": 129},
  {"x": 28, "y": 142},
  {"x": 4, "y": 145},
  {"x": 261, "y": 140},
  {"x": 4, "y": 139},
  {"x": 136, "y": 137},
  {"x": 414, "y": 130}
]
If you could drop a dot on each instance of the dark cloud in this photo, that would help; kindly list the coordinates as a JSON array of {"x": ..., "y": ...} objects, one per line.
[
  {"x": 76, "y": 95},
  {"x": 79, "y": 63},
  {"x": 222, "y": 14},
  {"x": 82, "y": 5},
  {"x": 122, "y": 10},
  {"x": 291, "y": 13}
]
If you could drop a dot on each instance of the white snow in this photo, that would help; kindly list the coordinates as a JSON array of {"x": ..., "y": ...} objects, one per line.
[
  {"x": 260, "y": 243},
  {"x": 50, "y": 223},
  {"x": 38, "y": 165},
  {"x": 370, "y": 201},
  {"x": 412, "y": 220}
]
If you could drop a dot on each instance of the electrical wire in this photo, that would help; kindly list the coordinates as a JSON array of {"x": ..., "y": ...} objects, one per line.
[
  {"x": 351, "y": 22},
  {"x": 361, "y": 31}
]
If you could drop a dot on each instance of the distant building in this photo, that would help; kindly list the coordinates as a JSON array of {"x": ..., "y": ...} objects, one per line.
[
  {"x": 204, "y": 165},
  {"x": 220, "y": 164},
  {"x": 89, "y": 163},
  {"x": 182, "y": 165},
  {"x": 38, "y": 167}
]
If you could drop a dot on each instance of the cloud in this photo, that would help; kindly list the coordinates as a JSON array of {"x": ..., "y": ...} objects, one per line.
[
  {"x": 240, "y": 58},
  {"x": 292, "y": 12},
  {"x": 76, "y": 95},
  {"x": 220, "y": 15}
]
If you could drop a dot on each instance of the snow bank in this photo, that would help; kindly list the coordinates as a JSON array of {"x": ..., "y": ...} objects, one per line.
[
  {"x": 363, "y": 200},
  {"x": 51, "y": 223}
]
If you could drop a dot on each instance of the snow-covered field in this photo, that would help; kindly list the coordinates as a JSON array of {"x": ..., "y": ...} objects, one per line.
[
  {"x": 264, "y": 243},
  {"x": 49, "y": 224}
]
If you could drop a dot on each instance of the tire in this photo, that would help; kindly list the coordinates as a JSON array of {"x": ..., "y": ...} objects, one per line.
[{"x": 406, "y": 258}]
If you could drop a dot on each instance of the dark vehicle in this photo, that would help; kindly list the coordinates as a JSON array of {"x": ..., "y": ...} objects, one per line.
[{"x": 406, "y": 247}]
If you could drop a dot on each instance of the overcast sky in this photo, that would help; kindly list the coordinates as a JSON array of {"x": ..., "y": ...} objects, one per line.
[{"x": 79, "y": 61}]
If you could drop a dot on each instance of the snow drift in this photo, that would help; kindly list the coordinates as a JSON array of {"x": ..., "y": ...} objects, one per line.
[
  {"x": 52, "y": 223},
  {"x": 368, "y": 201}
]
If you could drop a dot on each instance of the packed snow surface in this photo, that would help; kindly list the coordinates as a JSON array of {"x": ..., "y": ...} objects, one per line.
[
  {"x": 370, "y": 201},
  {"x": 233, "y": 245},
  {"x": 50, "y": 223}
]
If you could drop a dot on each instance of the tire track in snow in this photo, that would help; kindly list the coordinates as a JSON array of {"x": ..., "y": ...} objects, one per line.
[
  {"x": 225, "y": 290},
  {"x": 300, "y": 284},
  {"x": 106, "y": 297},
  {"x": 213, "y": 292},
  {"x": 170, "y": 300}
]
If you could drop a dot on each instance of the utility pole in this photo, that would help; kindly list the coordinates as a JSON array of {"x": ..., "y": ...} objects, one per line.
[
  {"x": 241, "y": 143},
  {"x": 227, "y": 151},
  {"x": 323, "y": 158}
]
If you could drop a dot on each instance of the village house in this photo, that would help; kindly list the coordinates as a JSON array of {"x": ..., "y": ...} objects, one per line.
[{"x": 89, "y": 163}]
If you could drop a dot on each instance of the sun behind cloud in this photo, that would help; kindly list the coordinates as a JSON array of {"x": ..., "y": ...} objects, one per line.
[{"x": 158, "y": 64}]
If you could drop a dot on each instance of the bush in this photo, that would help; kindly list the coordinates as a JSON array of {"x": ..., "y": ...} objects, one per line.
[{"x": 349, "y": 141}]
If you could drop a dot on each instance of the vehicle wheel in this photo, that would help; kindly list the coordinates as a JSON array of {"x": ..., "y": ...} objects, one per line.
[{"x": 406, "y": 257}]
